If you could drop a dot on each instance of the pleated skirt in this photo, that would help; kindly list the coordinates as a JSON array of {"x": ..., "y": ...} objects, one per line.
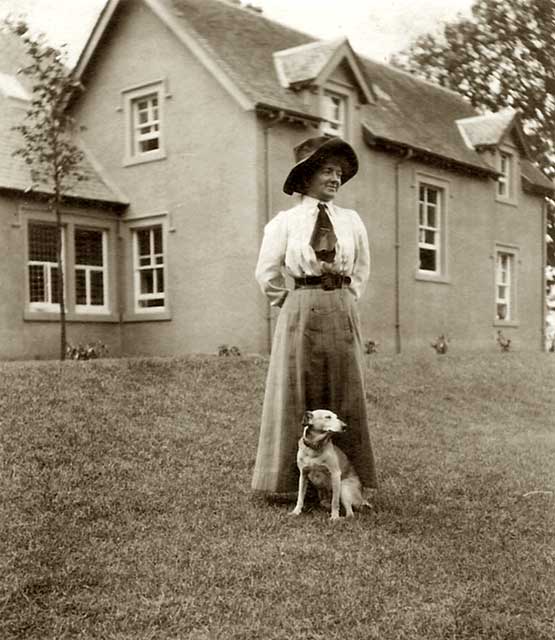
[{"x": 316, "y": 363}]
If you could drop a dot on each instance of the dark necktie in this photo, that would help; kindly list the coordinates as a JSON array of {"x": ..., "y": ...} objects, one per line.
[{"x": 323, "y": 237}]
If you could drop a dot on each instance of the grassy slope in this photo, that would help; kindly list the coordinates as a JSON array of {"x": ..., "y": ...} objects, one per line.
[{"x": 126, "y": 510}]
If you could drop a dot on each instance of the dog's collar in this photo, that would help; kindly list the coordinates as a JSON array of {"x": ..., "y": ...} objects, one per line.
[{"x": 319, "y": 445}]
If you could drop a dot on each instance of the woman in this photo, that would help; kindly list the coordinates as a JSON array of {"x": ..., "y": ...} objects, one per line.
[{"x": 316, "y": 360}]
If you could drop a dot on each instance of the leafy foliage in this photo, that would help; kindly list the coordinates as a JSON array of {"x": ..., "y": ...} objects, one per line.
[
  {"x": 54, "y": 161},
  {"x": 53, "y": 158},
  {"x": 503, "y": 56}
]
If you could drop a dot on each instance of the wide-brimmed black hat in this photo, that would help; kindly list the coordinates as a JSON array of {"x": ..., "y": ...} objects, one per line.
[{"x": 310, "y": 154}]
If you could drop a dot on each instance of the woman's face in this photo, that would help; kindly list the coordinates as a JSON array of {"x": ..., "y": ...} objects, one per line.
[{"x": 326, "y": 180}]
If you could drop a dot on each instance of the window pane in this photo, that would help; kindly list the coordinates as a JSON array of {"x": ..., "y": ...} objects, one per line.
[
  {"x": 502, "y": 312},
  {"x": 431, "y": 216},
  {"x": 80, "y": 286},
  {"x": 430, "y": 237},
  {"x": 37, "y": 291},
  {"x": 42, "y": 242},
  {"x": 427, "y": 260},
  {"x": 55, "y": 285},
  {"x": 149, "y": 145},
  {"x": 160, "y": 280},
  {"x": 154, "y": 302},
  {"x": 157, "y": 232},
  {"x": 432, "y": 196},
  {"x": 147, "y": 281},
  {"x": 143, "y": 237},
  {"x": 88, "y": 247},
  {"x": 97, "y": 288}
]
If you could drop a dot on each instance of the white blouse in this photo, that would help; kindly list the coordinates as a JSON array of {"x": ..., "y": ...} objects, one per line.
[{"x": 286, "y": 248}]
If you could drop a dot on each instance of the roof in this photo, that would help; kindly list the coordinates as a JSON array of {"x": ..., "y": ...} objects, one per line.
[
  {"x": 407, "y": 110},
  {"x": 488, "y": 129},
  {"x": 14, "y": 172},
  {"x": 243, "y": 47},
  {"x": 305, "y": 62},
  {"x": 312, "y": 63}
]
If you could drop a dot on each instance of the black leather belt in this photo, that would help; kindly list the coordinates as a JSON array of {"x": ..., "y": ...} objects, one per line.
[{"x": 327, "y": 282}]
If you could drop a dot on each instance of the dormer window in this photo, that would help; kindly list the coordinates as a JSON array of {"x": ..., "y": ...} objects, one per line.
[
  {"x": 334, "y": 110},
  {"x": 505, "y": 180}
]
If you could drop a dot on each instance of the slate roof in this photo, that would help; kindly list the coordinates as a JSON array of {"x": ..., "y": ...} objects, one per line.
[
  {"x": 14, "y": 173},
  {"x": 408, "y": 112},
  {"x": 305, "y": 62},
  {"x": 488, "y": 129}
]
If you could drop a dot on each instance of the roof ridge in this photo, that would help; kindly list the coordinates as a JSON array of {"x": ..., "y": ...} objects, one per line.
[
  {"x": 313, "y": 44},
  {"x": 403, "y": 72},
  {"x": 262, "y": 16},
  {"x": 490, "y": 114}
]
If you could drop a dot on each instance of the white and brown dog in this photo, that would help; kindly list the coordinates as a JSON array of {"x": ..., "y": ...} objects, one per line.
[{"x": 325, "y": 465}]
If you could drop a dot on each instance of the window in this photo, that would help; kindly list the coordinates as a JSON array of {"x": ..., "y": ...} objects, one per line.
[
  {"x": 142, "y": 107},
  {"x": 90, "y": 269},
  {"x": 429, "y": 229},
  {"x": 149, "y": 269},
  {"x": 505, "y": 180},
  {"x": 85, "y": 261},
  {"x": 146, "y": 124},
  {"x": 44, "y": 292},
  {"x": 504, "y": 290},
  {"x": 335, "y": 112}
]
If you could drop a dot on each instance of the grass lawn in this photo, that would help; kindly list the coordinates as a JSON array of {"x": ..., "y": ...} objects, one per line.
[{"x": 125, "y": 509}]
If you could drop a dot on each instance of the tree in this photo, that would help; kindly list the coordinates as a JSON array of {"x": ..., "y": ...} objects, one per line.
[
  {"x": 503, "y": 56},
  {"x": 54, "y": 161}
]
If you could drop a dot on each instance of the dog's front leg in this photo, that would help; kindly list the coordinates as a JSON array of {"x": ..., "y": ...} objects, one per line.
[
  {"x": 335, "y": 494},
  {"x": 303, "y": 484}
]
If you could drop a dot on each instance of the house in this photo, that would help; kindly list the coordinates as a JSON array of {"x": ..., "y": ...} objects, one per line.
[
  {"x": 191, "y": 109},
  {"x": 28, "y": 282}
]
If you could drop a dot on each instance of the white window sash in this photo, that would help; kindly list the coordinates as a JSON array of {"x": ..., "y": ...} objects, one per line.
[
  {"x": 152, "y": 123},
  {"x": 503, "y": 284},
  {"x": 88, "y": 307},
  {"x": 153, "y": 266},
  {"x": 424, "y": 226},
  {"x": 335, "y": 125},
  {"x": 504, "y": 180},
  {"x": 48, "y": 266}
]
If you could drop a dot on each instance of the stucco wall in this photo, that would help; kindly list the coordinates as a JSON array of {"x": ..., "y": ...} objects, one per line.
[
  {"x": 210, "y": 190},
  {"x": 462, "y": 304},
  {"x": 26, "y": 334},
  {"x": 206, "y": 186}
]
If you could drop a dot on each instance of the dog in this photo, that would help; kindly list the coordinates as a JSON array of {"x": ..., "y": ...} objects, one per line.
[{"x": 326, "y": 466}]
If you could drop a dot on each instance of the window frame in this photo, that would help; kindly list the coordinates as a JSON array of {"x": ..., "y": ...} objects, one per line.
[
  {"x": 72, "y": 217},
  {"x": 442, "y": 187},
  {"x": 506, "y": 163},
  {"x": 89, "y": 308},
  {"x": 331, "y": 126},
  {"x": 46, "y": 306},
  {"x": 130, "y": 97},
  {"x": 512, "y": 253},
  {"x": 134, "y": 227}
]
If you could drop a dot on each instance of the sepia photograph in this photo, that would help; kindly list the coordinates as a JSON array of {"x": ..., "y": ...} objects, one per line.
[{"x": 277, "y": 320}]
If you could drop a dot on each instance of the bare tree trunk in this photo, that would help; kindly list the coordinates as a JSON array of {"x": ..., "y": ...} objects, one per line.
[{"x": 59, "y": 230}]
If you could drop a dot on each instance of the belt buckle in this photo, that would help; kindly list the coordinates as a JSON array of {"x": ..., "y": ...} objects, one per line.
[{"x": 328, "y": 282}]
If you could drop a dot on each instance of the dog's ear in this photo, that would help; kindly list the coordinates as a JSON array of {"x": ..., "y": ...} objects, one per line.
[{"x": 307, "y": 418}]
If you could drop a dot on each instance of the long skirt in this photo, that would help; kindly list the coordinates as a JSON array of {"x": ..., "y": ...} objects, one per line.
[{"x": 316, "y": 363}]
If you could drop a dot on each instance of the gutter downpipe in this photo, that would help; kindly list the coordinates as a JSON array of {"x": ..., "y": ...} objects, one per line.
[
  {"x": 543, "y": 279},
  {"x": 408, "y": 155},
  {"x": 276, "y": 118}
]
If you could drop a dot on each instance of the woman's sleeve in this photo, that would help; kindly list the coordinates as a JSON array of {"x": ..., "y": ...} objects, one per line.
[
  {"x": 361, "y": 264},
  {"x": 271, "y": 260}
]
